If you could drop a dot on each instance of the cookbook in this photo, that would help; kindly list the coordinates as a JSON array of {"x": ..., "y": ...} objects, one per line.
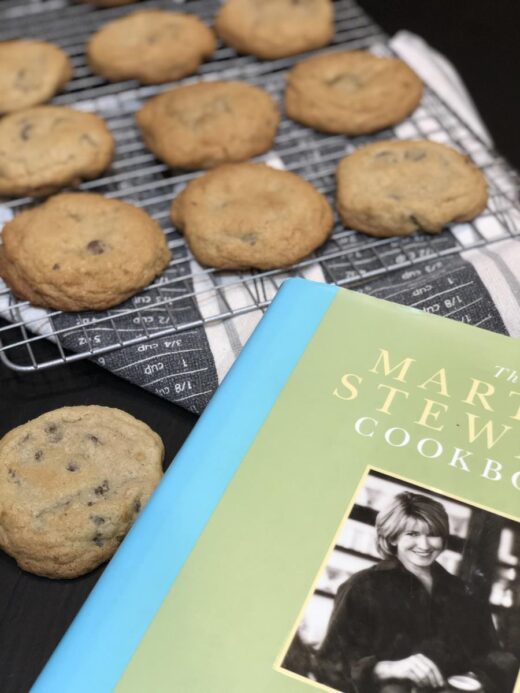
[{"x": 345, "y": 516}]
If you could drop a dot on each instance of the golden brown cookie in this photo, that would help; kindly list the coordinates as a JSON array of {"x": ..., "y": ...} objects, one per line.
[
  {"x": 351, "y": 92},
  {"x": 273, "y": 29},
  {"x": 81, "y": 251},
  {"x": 72, "y": 482},
  {"x": 397, "y": 187},
  {"x": 151, "y": 46},
  {"x": 250, "y": 215},
  {"x": 31, "y": 72},
  {"x": 46, "y": 148},
  {"x": 209, "y": 123}
]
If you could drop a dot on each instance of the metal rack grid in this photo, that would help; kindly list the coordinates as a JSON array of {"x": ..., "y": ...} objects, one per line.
[{"x": 187, "y": 296}]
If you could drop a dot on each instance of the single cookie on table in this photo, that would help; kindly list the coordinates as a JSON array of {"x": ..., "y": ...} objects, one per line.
[
  {"x": 209, "y": 123},
  {"x": 46, "y": 148},
  {"x": 81, "y": 251},
  {"x": 275, "y": 28},
  {"x": 32, "y": 72},
  {"x": 351, "y": 92},
  {"x": 395, "y": 188},
  {"x": 150, "y": 46},
  {"x": 250, "y": 215},
  {"x": 72, "y": 482}
]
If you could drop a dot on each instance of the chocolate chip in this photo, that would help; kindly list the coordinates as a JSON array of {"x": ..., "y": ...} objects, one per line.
[
  {"x": 90, "y": 503},
  {"x": 38, "y": 455},
  {"x": 387, "y": 157},
  {"x": 98, "y": 540},
  {"x": 102, "y": 489},
  {"x": 54, "y": 432},
  {"x": 56, "y": 266},
  {"x": 415, "y": 221},
  {"x": 94, "y": 439},
  {"x": 414, "y": 154},
  {"x": 137, "y": 505},
  {"x": 249, "y": 238},
  {"x": 97, "y": 519},
  {"x": 13, "y": 476},
  {"x": 96, "y": 247},
  {"x": 25, "y": 132},
  {"x": 72, "y": 467},
  {"x": 20, "y": 81}
]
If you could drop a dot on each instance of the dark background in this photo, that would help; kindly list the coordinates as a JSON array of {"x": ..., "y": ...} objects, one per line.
[{"x": 481, "y": 39}]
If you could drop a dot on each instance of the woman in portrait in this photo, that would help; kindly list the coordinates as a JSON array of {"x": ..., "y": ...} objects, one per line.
[{"x": 406, "y": 624}]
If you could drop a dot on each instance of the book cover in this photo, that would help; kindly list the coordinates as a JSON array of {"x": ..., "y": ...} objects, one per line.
[{"x": 344, "y": 517}]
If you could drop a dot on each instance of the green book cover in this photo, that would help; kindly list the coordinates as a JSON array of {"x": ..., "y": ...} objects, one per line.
[
  {"x": 344, "y": 517},
  {"x": 373, "y": 521}
]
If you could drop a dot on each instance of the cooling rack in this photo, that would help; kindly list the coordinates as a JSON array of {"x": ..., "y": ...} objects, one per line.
[{"x": 187, "y": 297}]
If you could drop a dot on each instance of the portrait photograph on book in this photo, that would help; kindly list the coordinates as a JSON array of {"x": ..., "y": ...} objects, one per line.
[{"x": 415, "y": 594}]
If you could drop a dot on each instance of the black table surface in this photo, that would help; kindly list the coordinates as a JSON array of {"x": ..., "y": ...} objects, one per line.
[{"x": 480, "y": 38}]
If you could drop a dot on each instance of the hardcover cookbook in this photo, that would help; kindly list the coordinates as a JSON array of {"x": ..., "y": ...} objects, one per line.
[{"x": 344, "y": 517}]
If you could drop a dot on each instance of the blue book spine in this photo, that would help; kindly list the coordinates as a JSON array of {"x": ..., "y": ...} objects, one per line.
[{"x": 103, "y": 637}]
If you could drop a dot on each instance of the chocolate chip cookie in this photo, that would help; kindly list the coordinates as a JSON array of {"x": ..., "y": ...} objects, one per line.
[
  {"x": 250, "y": 215},
  {"x": 32, "y": 72},
  {"x": 351, "y": 92},
  {"x": 72, "y": 482},
  {"x": 46, "y": 148},
  {"x": 151, "y": 46},
  {"x": 398, "y": 187},
  {"x": 205, "y": 124},
  {"x": 81, "y": 251},
  {"x": 275, "y": 28}
]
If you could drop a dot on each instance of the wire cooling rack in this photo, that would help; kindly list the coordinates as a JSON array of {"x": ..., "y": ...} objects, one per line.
[{"x": 187, "y": 297}]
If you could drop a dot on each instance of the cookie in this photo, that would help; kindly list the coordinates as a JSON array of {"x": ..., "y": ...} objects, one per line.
[
  {"x": 250, "y": 215},
  {"x": 275, "y": 28},
  {"x": 398, "y": 187},
  {"x": 81, "y": 251},
  {"x": 72, "y": 482},
  {"x": 46, "y": 148},
  {"x": 351, "y": 92},
  {"x": 32, "y": 72},
  {"x": 205, "y": 124},
  {"x": 150, "y": 46}
]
